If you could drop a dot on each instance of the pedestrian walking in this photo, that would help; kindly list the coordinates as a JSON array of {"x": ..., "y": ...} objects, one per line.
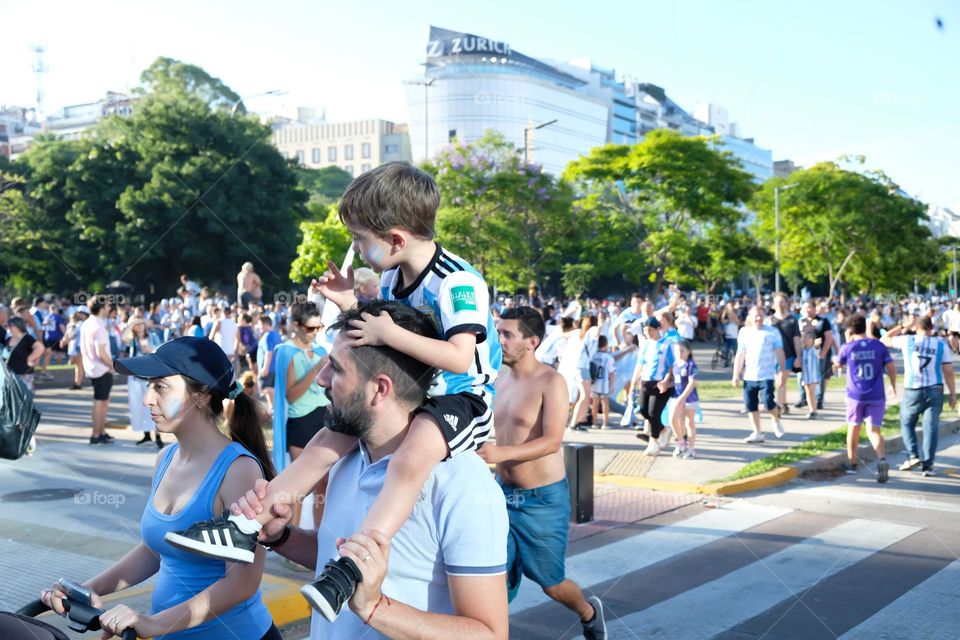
[
  {"x": 98, "y": 366},
  {"x": 652, "y": 381},
  {"x": 810, "y": 371},
  {"x": 759, "y": 353},
  {"x": 530, "y": 412},
  {"x": 866, "y": 360},
  {"x": 686, "y": 401},
  {"x": 927, "y": 366},
  {"x": 137, "y": 342}
]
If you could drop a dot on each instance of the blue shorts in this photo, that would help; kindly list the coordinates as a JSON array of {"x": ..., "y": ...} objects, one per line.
[
  {"x": 752, "y": 391},
  {"x": 537, "y": 543},
  {"x": 787, "y": 362}
]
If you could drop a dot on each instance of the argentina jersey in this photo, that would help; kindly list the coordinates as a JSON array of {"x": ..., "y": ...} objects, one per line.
[
  {"x": 923, "y": 360},
  {"x": 455, "y": 295}
]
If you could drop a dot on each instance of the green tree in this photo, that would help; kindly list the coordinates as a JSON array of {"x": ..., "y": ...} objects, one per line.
[
  {"x": 177, "y": 187},
  {"x": 324, "y": 238},
  {"x": 660, "y": 192},
  {"x": 720, "y": 256},
  {"x": 170, "y": 76},
  {"x": 323, "y": 186},
  {"x": 577, "y": 278},
  {"x": 207, "y": 180},
  {"x": 510, "y": 219},
  {"x": 856, "y": 231}
]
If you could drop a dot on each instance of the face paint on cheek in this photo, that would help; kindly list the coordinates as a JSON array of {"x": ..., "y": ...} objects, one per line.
[
  {"x": 374, "y": 254},
  {"x": 171, "y": 407}
]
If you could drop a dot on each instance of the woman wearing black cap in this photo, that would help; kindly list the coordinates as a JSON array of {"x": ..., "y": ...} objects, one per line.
[{"x": 195, "y": 478}]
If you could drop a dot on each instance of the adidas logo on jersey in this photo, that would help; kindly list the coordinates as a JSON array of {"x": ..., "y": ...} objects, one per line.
[{"x": 453, "y": 421}]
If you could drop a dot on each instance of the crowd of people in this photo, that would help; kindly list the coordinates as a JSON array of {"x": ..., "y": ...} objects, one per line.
[
  {"x": 637, "y": 359},
  {"x": 390, "y": 414}
]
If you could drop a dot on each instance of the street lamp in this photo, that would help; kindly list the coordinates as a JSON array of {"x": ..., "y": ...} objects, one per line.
[
  {"x": 526, "y": 138},
  {"x": 272, "y": 92},
  {"x": 426, "y": 115},
  {"x": 776, "y": 231}
]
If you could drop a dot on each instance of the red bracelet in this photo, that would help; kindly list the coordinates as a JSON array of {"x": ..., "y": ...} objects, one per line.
[{"x": 370, "y": 617}]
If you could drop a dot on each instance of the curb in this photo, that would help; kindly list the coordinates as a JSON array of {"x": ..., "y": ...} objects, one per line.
[
  {"x": 777, "y": 477},
  {"x": 774, "y": 478},
  {"x": 285, "y": 603},
  {"x": 893, "y": 444}
]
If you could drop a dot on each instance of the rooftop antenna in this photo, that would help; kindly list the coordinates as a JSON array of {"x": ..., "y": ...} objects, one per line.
[{"x": 39, "y": 68}]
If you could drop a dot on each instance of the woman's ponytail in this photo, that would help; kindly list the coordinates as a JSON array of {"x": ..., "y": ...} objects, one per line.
[{"x": 244, "y": 428}]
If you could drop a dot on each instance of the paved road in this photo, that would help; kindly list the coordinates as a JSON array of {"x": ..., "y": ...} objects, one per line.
[
  {"x": 840, "y": 558},
  {"x": 843, "y": 557}
]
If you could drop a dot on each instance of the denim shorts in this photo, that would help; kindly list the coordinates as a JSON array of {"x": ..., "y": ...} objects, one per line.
[
  {"x": 539, "y": 524},
  {"x": 751, "y": 394}
]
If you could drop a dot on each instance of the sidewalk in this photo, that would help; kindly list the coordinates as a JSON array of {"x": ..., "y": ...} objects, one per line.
[{"x": 720, "y": 447}]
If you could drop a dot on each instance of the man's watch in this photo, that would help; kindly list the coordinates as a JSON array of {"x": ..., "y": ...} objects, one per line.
[{"x": 271, "y": 545}]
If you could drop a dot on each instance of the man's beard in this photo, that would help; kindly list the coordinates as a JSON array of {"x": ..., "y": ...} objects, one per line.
[{"x": 352, "y": 419}]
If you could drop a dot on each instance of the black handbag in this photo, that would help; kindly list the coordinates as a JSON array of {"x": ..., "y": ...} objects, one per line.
[{"x": 18, "y": 416}]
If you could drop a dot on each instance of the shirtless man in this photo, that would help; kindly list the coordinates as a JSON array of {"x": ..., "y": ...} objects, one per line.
[
  {"x": 249, "y": 287},
  {"x": 530, "y": 414}
]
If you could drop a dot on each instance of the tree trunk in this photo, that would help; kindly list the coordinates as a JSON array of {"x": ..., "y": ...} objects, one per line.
[{"x": 835, "y": 279}]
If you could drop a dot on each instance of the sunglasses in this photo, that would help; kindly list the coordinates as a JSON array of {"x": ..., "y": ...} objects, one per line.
[{"x": 309, "y": 329}]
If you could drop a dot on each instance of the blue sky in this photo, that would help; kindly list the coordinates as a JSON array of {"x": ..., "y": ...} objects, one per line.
[{"x": 809, "y": 80}]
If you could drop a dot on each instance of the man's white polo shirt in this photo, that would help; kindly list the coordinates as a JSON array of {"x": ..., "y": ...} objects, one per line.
[{"x": 458, "y": 527}]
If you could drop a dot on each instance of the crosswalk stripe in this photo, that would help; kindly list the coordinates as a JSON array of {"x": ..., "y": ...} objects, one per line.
[
  {"x": 747, "y": 592},
  {"x": 919, "y": 613},
  {"x": 645, "y": 549},
  {"x": 895, "y": 499}
]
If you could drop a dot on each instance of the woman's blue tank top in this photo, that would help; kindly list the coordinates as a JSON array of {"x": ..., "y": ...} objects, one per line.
[{"x": 182, "y": 575}]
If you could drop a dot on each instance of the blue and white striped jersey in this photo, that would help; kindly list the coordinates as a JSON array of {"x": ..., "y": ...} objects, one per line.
[
  {"x": 923, "y": 360},
  {"x": 455, "y": 294}
]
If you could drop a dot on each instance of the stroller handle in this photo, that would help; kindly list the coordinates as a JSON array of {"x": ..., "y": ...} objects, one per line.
[{"x": 36, "y": 607}]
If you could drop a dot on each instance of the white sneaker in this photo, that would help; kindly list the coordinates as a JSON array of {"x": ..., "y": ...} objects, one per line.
[
  {"x": 664, "y": 438},
  {"x": 778, "y": 428},
  {"x": 677, "y": 451},
  {"x": 754, "y": 437},
  {"x": 653, "y": 449},
  {"x": 690, "y": 453}
]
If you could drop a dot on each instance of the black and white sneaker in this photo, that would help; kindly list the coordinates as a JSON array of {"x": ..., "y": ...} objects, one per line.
[
  {"x": 596, "y": 629},
  {"x": 220, "y": 538},
  {"x": 335, "y": 586},
  {"x": 909, "y": 464}
]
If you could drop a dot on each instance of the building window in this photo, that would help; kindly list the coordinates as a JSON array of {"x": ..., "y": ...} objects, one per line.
[
  {"x": 451, "y": 135},
  {"x": 348, "y": 152},
  {"x": 391, "y": 148},
  {"x": 300, "y": 156},
  {"x": 331, "y": 154},
  {"x": 365, "y": 167},
  {"x": 316, "y": 156},
  {"x": 365, "y": 150},
  {"x": 348, "y": 168}
]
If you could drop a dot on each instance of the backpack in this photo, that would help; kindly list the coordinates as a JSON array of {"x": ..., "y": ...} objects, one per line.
[{"x": 18, "y": 417}]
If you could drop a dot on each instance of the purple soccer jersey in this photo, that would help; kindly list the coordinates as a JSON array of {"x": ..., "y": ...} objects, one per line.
[{"x": 865, "y": 359}]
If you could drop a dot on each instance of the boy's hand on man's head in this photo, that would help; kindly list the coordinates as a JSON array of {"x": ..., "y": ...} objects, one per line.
[{"x": 371, "y": 330}]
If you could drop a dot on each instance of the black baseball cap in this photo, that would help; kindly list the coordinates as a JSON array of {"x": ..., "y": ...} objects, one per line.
[{"x": 200, "y": 359}]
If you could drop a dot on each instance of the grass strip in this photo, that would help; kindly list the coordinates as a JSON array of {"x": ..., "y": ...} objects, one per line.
[{"x": 831, "y": 441}]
